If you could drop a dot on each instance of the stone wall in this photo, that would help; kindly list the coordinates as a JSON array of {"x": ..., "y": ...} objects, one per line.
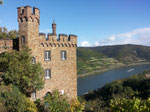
[
  {"x": 6, "y": 45},
  {"x": 63, "y": 72}
]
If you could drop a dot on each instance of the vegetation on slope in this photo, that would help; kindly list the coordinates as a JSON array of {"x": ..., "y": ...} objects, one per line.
[
  {"x": 5, "y": 34},
  {"x": 132, "y": 89},
  {"x": 99, "y": 58},
  {"x": 89, "y": 61},
  {"x": 125, "y": 53}
]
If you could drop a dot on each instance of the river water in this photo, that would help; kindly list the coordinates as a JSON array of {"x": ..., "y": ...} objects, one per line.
[{"x": 93, "y": 82}]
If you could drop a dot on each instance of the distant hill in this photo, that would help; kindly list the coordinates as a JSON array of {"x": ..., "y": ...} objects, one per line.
[{"x": 102, "y": 57}]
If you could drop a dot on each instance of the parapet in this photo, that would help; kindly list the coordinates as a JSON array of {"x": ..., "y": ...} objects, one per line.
[
  {"x": 27, "y": 14},
  {"x": 62, "y": 41}
]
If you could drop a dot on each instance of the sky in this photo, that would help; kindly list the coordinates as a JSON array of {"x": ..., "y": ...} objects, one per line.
[{"x": 95, "y": 22}]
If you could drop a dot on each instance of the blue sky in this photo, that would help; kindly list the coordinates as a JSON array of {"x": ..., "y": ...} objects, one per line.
[{"x": 95, "y": 22}]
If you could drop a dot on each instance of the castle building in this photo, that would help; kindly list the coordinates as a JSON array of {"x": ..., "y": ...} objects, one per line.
[{"x": 56, "y": 55}]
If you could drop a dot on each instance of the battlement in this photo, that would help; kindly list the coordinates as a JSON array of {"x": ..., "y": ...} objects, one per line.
[
  {"x": 62, "y": 41},
  {"x": 27, "y": 14}
]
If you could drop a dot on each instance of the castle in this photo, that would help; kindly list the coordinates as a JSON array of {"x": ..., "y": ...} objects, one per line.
[{"x": 56, "y": 55}]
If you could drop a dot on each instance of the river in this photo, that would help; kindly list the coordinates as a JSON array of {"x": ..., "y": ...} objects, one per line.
[{"x": 93, "y": 82}]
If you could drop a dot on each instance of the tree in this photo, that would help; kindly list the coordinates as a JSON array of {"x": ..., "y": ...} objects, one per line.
[
  {"x": 130, "y": 105},
  {"x": 17, "y": 69},
  {"x": 4, "y": 33},
  {"x": 12, "y": 100},
  {"x": 1, "y": 2},
  {"x": 56, "y": 103},
  {"x": 76, "y": 106}
]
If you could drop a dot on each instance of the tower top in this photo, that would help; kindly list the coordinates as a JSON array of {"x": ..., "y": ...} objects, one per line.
[
  {"x": 26, "y": 13},
  {"x": 54, "y": 27}
]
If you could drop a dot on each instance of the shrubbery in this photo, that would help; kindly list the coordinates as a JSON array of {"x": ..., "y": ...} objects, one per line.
[
  {"x": 56, "y": 102},
  {"x": 17, "y": 69},
  {"x": 130, "y": 105}
]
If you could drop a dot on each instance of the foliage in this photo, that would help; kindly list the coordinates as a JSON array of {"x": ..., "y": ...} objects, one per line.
[
  {"x": 13, "y": 100},
  {"x": 56, "y": 102},
  {"x": 89, "y": 61},
  {"x": 130, "y": 105},
  {"x": 125, "y": 53},
  {"x": 76, "y": 106},
  {"x": 4, "y": 33},
  {"x": 1, "y": 2},
  {"x": 17, "y": 69}
]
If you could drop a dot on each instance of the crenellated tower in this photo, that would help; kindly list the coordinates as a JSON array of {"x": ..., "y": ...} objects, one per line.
[
  {"x": 57, "y": 55},
  {"x": 28, "y": 26}
]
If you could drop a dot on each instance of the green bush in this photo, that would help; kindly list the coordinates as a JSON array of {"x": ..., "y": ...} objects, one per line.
[
  {"x": 130, "y": 105},
  {"x": 17, "y": 69},
  {"x": 12, "y": 100},
  {"x": 56, "y": 103}
]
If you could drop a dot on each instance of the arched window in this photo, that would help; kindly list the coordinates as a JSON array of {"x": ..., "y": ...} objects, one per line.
[{"x": 48, "y": 93}]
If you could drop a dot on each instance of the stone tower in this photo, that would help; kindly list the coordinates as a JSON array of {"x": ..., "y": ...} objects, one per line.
[
  {"x": 57, "y": 55},
  {"x": 28, "y": 27}
]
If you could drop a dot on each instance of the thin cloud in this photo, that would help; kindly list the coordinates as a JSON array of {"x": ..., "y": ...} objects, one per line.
[
  {"x": 138, "y": 36},
  {"x": 45, "y": 31},
  {"x": 85, "y": 44}
]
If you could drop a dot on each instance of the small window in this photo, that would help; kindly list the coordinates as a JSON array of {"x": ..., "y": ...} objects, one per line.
[
  {"x": 62, "y": 92},
  {"x": 23, "y": 40},
  {"x": 34, "y": 95},
  {"x": 22, "y": 11},
  {"x": 47, "y": 74},
  {"x": 33, "y": 60},
  {"x": 63, "y": 55},
  {"x": 47, "y": 55}
]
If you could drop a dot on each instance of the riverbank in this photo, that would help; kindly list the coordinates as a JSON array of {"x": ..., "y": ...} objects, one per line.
[{"x": 110, "y": 68}]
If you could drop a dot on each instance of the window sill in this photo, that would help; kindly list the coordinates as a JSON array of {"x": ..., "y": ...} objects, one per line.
[
  {"x": 47, "y": 60},
  {"x": 63, "y": 59},
  {"x": 47, "y": 78}
]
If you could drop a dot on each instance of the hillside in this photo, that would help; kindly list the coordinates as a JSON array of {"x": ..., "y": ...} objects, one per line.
[
  {"x": 99, "y": 58},
  {"x": 136, "y": 86}
]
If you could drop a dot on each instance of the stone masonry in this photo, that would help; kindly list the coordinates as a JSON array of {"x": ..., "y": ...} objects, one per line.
[
  {"x": 63, "y": 73},
  {"x": 6, "y": 45}
]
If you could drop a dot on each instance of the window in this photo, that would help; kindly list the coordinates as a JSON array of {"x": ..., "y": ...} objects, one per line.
[
  {"x": 34, "y": 95},
  {"x": 63, "y": 55},
  {"x": 22, "y": 11},
  {"x": 47, "y": 74},
  {"x": 47, "y": 55},
  {"x": 62, "y": 92},
  {"x": 23, "y": 40},
  {"x": 33, "y": 60}
]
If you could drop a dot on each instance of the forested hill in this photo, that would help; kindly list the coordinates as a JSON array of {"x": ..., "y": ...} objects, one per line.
[{"x": 98, "y": 58}]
